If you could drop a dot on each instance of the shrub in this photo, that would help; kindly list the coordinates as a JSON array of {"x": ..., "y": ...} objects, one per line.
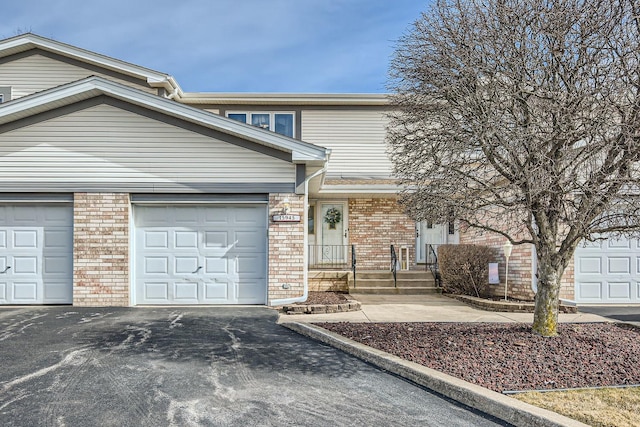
[{"x": 465, "y": 269}]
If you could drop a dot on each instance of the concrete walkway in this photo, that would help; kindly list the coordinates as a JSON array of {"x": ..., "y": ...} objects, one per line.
[{"x": 425, "y": 308}]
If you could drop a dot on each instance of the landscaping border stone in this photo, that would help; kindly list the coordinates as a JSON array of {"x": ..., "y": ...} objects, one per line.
[
  {"x": 507, "y": 306},
  {"x": 349, "y": 305}
]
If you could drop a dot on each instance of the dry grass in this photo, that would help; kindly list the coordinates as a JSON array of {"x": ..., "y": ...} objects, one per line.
[{"x": 607, "y": 407}]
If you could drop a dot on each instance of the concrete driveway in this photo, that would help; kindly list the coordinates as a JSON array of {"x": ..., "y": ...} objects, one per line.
[{"x": 70, "y": 366}]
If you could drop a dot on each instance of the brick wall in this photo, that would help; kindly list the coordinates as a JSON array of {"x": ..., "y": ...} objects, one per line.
[
  {"x": 376, "y": 224},
  {"x": 101, "y": 249},
  {"x": 520, "y": 263},
  {"x": 286, "y": 249},
  {"x": 520, "y": 266}
]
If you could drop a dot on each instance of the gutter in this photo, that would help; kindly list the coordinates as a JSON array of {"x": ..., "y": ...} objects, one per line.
[{"x": 305, "y": 250}]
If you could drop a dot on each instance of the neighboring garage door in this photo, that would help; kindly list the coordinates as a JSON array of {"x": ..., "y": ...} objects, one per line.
[
  {"x": 201, "y": 254},
  {"x": 608, "y": 272},
  {"x": 36, "y": 253}
]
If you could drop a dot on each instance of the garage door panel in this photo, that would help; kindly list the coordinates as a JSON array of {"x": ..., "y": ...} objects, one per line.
[
  {"x": 619, "y": 290},
  {"x": 217, "y": 216},
  {"x": 25, "y": 215},
  {"x": 185, "y": 291},
  {"x": 216, "y": 292},
  {"x": 590, "y": 291},
  {"x": 590, "y": 265},
  {"x": 56, "y": 265},
  {"x": 3, "y": 292},
  {"x": 618, "y": 244},
  {"x": 251, "y": 292},
  {"x": 250, "y": 266},
  {"x": 156, "y": 291},
  {"x": 619, "y": 265},
  {"x": 186, "y": 264},
  {"x": 56, "y": 291},
  {"x": 216, "y": 265},
  {"x": 3, "y": 239},
  {"x": 56, "y": 239},
  {"x": 216, "y": 239},
  {"x": 205, "y": 256},
  {"x": 25, "y": 265},
  {"x": 186, "y": 239},
  {"x": 249, "y": 216},
  {"x": 186, "y": 216},
  {"x": 156, "y": 239},
  {"x": 26, "y": 292},
  {"x": 27, "y": 239},
  {"x": 156, "y": 265},
  {"x": 248, "y": 240}
]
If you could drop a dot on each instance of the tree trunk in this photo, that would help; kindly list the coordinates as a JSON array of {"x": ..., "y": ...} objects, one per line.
[{"x": 545, "y": 318}]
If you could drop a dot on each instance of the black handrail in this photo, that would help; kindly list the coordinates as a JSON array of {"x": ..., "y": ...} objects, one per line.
[
  {"x": 353, "y": 264},
  {"x": 394, "y": 266},
  {"x": 431, "y": 261}
]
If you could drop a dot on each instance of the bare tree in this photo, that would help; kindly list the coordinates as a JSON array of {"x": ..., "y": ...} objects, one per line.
[{"x": 522, "y": 118}]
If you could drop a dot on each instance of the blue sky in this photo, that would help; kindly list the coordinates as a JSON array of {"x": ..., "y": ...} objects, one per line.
[{"x": 341, "y": 46}]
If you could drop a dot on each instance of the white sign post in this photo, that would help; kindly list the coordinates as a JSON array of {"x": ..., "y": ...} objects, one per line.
[{"x": 507, "y": 253}]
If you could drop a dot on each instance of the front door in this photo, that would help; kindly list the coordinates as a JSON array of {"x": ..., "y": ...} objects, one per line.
[
  {"x": 428, "y": 233},
  {"x": 333, "y": 235}
]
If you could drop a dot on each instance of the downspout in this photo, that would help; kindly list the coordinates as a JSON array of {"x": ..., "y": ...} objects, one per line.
[{"x": 305, "y": 250}]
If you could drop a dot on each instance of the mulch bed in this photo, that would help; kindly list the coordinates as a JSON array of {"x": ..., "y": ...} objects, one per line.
[
  {"x": 509, "y": 357},
  {"x": 325, "y": 298}
]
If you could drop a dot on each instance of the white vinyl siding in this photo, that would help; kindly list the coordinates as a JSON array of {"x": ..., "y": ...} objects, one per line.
[
  {"x": 356, "y": 138},
  {"x": 36, "y": 73},
  {"x": 106, "y": 144}
]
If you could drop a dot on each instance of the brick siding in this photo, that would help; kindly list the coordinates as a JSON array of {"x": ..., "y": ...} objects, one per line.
[
  {"x": 520, "y": 266},
  {"x": 376, "y": 224},
  {"x": 286, "y": 249},
  {"x": 101, "y": 249}
]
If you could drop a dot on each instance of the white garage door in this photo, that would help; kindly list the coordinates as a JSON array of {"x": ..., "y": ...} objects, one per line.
[
  {"x": 201, "y": 254},
  {"x": 608, "y": 272},
  {"x": 36, "y": 254}
]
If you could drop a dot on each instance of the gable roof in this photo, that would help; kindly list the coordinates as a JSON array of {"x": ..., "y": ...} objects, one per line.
[
  {"x": 28, "y": 41},
  {"x": 91, "y": 87}
]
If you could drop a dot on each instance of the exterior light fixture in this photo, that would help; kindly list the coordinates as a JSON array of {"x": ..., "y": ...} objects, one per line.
[
  {"x": 507, "y": 247},
  {"x": 286, "y": 206}
]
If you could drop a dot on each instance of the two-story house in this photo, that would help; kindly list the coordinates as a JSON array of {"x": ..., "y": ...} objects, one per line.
[{"x": 118, "y": 188}]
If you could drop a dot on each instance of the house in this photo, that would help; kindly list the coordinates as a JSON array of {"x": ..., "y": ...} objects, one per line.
[{"x": 118, "y": 188}]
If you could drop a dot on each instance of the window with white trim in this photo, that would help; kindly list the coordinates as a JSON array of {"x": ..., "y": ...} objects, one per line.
[
  {"x": 278, "y": 122},
  {"x": 5, "y": 93}
]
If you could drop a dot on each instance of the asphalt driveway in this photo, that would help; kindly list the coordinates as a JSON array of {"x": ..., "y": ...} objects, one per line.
[
  {"x": 70, "y": 366},
  {"x": 624, "y": 313}
]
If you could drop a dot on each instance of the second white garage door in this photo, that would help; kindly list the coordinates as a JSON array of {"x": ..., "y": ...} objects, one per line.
[
  {"x": 608, "y": 272},
  {"x": 206, "y": 254}
]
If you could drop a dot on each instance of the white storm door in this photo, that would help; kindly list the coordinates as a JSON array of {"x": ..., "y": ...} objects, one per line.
[
  {"x": 36, "y": 258},
  {"x": 428, "y": 233},
  {"x": 333, "y": 235},
  {"x": 200, "y": 254}
]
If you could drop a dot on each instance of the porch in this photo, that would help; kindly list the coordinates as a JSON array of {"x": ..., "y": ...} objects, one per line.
[{"x": 347, "y": 268}]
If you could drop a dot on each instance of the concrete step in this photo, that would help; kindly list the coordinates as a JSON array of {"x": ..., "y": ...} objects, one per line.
[
  {"x": 401, "y": 274},
  {"x": 395, "y": 291},
  {"x": 401, "y": 283}
]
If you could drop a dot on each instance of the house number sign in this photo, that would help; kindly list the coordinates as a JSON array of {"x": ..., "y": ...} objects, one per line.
[{"x": 286, "y": 218}]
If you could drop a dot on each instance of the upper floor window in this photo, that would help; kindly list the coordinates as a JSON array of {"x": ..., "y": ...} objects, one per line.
[
  {"x": 5, "y": 94},
  {"x": 281, "y": 123}
]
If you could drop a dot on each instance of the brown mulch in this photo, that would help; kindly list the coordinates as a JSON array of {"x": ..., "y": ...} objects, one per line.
[
  {"x": 325, "y": 298},
  {"x": 509, "y": 357}
]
